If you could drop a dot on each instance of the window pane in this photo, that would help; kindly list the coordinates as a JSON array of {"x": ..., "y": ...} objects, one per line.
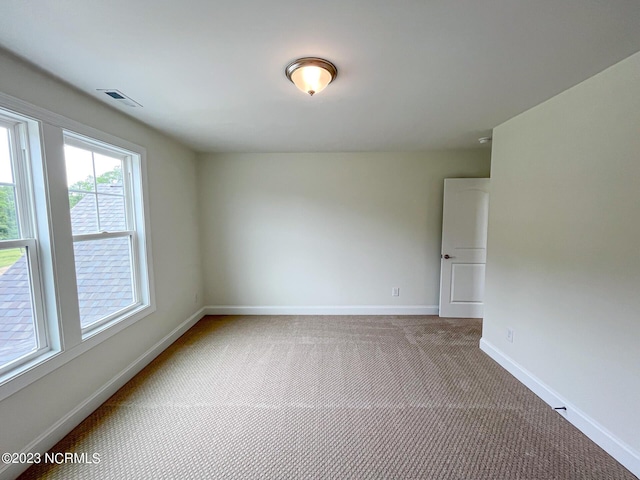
[
  {"x": 79, "y": 164},
  {"x": 6, "y": 174},
  {"x": 17, "y": 329},
  {"x": 108, "y": 169},
  {"x": 111, "y": 208},
  {"x": 84, "y": 215},
  {"x": 8, "y": 216},
  {"x": 103, "y": 271}
]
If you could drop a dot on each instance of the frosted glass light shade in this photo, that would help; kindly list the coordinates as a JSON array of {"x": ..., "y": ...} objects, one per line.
[
  {"x": 311, "y": 79},
  {"x": 311, "y": 75}
]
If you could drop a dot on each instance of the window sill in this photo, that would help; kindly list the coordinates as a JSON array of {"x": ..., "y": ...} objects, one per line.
[{"x": 30, "y": 372}]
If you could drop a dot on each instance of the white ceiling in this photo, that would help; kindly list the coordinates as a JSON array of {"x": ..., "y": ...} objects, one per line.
[{"x": 412, "y": 75}]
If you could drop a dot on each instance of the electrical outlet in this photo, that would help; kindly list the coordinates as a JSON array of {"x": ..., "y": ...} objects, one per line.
[
  {"x": 395, "y": 292},
  {"x": 510, "y": 335}
]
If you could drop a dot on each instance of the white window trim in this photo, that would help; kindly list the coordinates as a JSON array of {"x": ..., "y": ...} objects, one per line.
[
  {"x": 26, "y": 219},
  {"x": 72, "y": 343},
  {"x": 130, "y": 163}
]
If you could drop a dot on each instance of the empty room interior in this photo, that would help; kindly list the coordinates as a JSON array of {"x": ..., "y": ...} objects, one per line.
[{"x": 319, "y": 240}]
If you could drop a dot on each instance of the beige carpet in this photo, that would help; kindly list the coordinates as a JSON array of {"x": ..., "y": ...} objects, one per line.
[{"x": 329, "y": 397}]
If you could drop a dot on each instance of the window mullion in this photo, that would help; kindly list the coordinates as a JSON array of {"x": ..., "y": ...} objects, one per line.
[{"x": 62, "y": 278}]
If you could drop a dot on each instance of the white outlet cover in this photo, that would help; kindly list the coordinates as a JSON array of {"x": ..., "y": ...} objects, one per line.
[{"x": 510, "y": 335}]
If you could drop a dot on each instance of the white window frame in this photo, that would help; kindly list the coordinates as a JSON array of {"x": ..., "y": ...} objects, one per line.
[
  {"x": 133, "y": 203},
  {"x": 46, "y": 137},
  {"x": 25, "y": 213}
]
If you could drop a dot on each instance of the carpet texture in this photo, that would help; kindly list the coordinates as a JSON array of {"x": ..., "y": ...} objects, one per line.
[{"x": 287, "y": 397}]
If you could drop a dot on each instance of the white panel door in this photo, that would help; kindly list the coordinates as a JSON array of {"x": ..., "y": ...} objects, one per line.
[{"x": 464, "y": 247}]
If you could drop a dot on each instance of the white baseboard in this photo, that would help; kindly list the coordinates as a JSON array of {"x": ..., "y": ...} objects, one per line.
[
  {"x": 323, "y": 310},
  {"x": 618, "y": 449},
  {"x": 62, "y": 427}
]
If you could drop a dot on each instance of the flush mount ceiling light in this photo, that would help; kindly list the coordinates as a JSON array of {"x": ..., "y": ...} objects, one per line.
[{"x": 311, "y": 74}]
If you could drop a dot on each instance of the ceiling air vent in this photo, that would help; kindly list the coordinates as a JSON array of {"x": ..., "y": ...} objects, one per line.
[{"x": 120, "y": 97}]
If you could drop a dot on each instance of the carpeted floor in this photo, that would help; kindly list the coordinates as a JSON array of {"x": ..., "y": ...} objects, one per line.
[{"x": 286, "y": 397}]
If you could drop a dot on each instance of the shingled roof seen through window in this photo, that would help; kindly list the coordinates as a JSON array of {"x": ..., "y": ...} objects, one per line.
[{"x": 103, "y": 272}]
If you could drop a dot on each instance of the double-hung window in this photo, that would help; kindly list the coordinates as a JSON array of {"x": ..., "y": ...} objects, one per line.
[
  {"x": 104, "y": 225},
  {"x": 23, "y": 332},
  {"x": 75, "y": 259}
]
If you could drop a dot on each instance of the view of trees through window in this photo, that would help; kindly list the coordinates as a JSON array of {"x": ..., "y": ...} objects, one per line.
[
  {"x": 8, "y": 214},
  {"x": 107, "y": 178},
  {"x": 8, "y": 220}
]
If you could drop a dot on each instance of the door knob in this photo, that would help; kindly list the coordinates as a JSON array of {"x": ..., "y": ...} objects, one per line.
[{"x": 447, "y": 257}]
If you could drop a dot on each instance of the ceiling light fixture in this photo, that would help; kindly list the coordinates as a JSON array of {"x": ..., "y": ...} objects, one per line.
[{"x": 311, "y": 74}]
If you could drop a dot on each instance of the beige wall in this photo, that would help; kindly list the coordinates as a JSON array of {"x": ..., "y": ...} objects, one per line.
[
  {"x": 171, "y": 171},
  {"x": 326, "y": 229},
  {"x": 563, "y": 267}
]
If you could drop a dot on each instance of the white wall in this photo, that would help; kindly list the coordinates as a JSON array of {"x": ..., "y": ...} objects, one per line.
[
  {"x": 563, "y": 267},
  {"x": 176, "y": 251},
  {"x": 326, "y": 229}
]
